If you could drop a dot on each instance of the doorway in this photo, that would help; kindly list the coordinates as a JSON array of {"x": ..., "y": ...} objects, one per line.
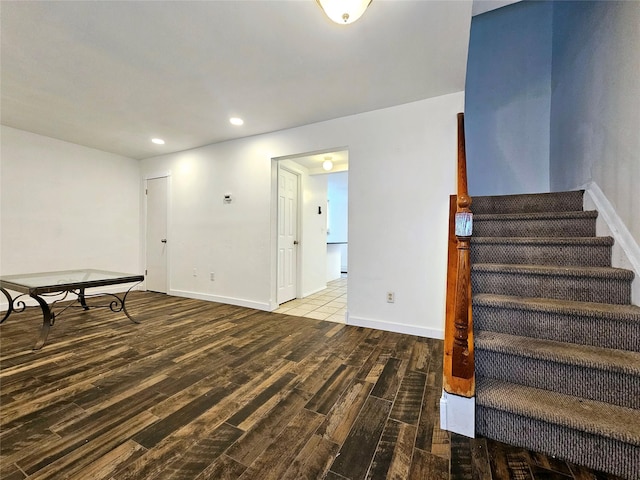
[
  {"x": 157, "y": 195},
  {"x": 315, "y": 250}
]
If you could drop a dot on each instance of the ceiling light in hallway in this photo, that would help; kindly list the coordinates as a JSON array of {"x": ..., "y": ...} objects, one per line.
[
  {"x": 157, "y": 141},
  {"x": 236, "y": 121},
  {"x": 327, "y": 164},
  {"x": 344, "y": 11}
]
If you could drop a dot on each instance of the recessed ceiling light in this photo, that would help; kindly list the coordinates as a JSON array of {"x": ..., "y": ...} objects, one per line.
[
  {"x": 157, "y": 141},
  {"x": 236, "y": 121}
]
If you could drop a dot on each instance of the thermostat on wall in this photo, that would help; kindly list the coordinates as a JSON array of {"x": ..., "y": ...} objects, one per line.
[{"x": 227, "y": 198}]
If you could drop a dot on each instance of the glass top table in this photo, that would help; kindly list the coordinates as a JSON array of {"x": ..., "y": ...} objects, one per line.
[{"x": 37, "y": 285}]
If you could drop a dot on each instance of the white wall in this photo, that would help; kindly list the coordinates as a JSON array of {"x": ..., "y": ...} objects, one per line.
[
  {"x": 401, "y": 173},
  {"x": 338, "y": 196},
  {"x": 232, "y": 240},
  {"x": 334, "y": 260},
  {"x": 64, "y": 206},
  {"x": 402, "y": 170},
  {"x": 314, "y": 238}
]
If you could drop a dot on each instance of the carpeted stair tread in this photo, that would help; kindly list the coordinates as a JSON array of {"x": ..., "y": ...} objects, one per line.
[
  {"x": 558, "y": 251},
  {"x": 512, "y": 217},
  {"x": 607, "y": 359},
  {"x": 606, "y": 241},
  {"x": 625, "y": 313},
  {"x": 596, "y": 418},
  {"x": 538, "y": 224},
  {"x": 548, "y": 270},
  {"x": 599, "y": 324},
  {"x": 579, "y": 283},
  {"x": 528, "y": 203},
  {"x": 556, "y": 372}
]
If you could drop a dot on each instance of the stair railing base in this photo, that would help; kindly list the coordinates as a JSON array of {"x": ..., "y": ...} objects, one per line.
[{"x": 458, "y": 414}]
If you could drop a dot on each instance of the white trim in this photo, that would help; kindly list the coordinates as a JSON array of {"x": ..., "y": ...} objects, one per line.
[
  {"x": 626, "y": 251},
  {"x": 317, "y": 290},
  {"x": 458, "y": 414},
  {"x": 273, "y": 247},
  {"x": 240, "y": 302},
  {"x": 151, "y": 176},
  {"x": 395, "y": 327}
]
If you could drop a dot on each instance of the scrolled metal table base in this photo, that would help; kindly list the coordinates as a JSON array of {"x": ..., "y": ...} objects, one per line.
[{"x": 49, "y": 316}]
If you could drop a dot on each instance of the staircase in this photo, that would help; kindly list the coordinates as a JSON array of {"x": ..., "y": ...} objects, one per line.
[{"x": 557, "y": 341}]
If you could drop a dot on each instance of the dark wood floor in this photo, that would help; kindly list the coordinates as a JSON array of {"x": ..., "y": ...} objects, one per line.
[{"x": 208, "y": 391}]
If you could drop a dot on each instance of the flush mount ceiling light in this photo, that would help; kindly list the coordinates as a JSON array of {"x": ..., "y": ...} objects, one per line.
[
  {"x": 344, "y": 11},
  {"x": 327, "y": 164},
  {"x": 236, "y": 121},
  {"x": 158, "y": 141}
]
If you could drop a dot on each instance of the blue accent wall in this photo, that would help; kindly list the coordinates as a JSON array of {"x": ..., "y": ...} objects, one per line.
[
  {"x": 508, "y": 100},
  {"x": 595, "y": 103},
  {"x": 552, "y": 101},
  {"x": 574, "y": 73}
]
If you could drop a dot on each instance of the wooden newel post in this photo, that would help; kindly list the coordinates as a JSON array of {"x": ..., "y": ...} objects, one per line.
[
  {"x": 461, "y": 365},
  {"x": 462, "y": 358},
  {"x": 458, "y": 365}
]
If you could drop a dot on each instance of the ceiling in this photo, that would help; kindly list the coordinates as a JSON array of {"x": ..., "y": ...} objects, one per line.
[
  {"x": 314, "y": 162},
  {"x": 112, "y": 75}
]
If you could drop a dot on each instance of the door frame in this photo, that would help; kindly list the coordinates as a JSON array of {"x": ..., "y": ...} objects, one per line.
[
  {"x": 143, "y": 246},
  {"x": 275, "y": 165}
]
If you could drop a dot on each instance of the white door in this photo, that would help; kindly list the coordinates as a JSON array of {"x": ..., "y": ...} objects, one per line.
[
  {"x": 157, "y": 194},
  {"x": 288, "y": 186}
]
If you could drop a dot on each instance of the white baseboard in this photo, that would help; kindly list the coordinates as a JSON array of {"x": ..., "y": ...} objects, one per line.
[
  {"x": 626, "y": 251},
  {"x": 311, "y": 292},
  {"x": 240, "y": 302},
  {"x": 395, "y": 327},
  {"x": 458, "y": 414}
]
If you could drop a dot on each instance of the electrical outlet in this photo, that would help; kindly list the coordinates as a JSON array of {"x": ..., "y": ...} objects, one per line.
[
  {"x": 212, "y": 277},
  {"x": 195, "y": 272},
  {"x": 391, "y": 297}
]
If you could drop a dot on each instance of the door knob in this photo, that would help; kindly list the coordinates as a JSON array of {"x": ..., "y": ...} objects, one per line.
[
  {"x": 295, "y": 242},
  {"x": 164, "y": 240}
]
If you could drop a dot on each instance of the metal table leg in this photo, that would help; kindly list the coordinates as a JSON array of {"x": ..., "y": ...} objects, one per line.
[
  {"x": 48, "y": 320},
  {"x": 10, "y": 307},
  {"x": 82, "y": 300},
  {"x": 124, "y": 308}
]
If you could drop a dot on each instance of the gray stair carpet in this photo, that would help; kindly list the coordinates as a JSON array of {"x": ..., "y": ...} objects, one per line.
[
  {"x": 557, "y": 340},
  {"x": 543, "y": 224}
]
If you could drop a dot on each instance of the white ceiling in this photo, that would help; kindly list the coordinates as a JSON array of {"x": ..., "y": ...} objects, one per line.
[
  {"x": 113, "y": 74},
  {"x": 313, "y": 162},
  {"x": 482, "y": 6}
]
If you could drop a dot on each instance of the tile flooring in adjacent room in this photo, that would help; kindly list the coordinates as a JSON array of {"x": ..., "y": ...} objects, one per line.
[{"x": 328, "y": 304}]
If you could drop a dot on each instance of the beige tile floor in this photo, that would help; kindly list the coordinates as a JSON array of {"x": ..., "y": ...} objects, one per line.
[{"x": 328, "y": 304}]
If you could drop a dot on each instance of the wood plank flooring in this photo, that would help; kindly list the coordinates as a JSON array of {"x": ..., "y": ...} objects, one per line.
[{"x": 202, "y": 390}]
